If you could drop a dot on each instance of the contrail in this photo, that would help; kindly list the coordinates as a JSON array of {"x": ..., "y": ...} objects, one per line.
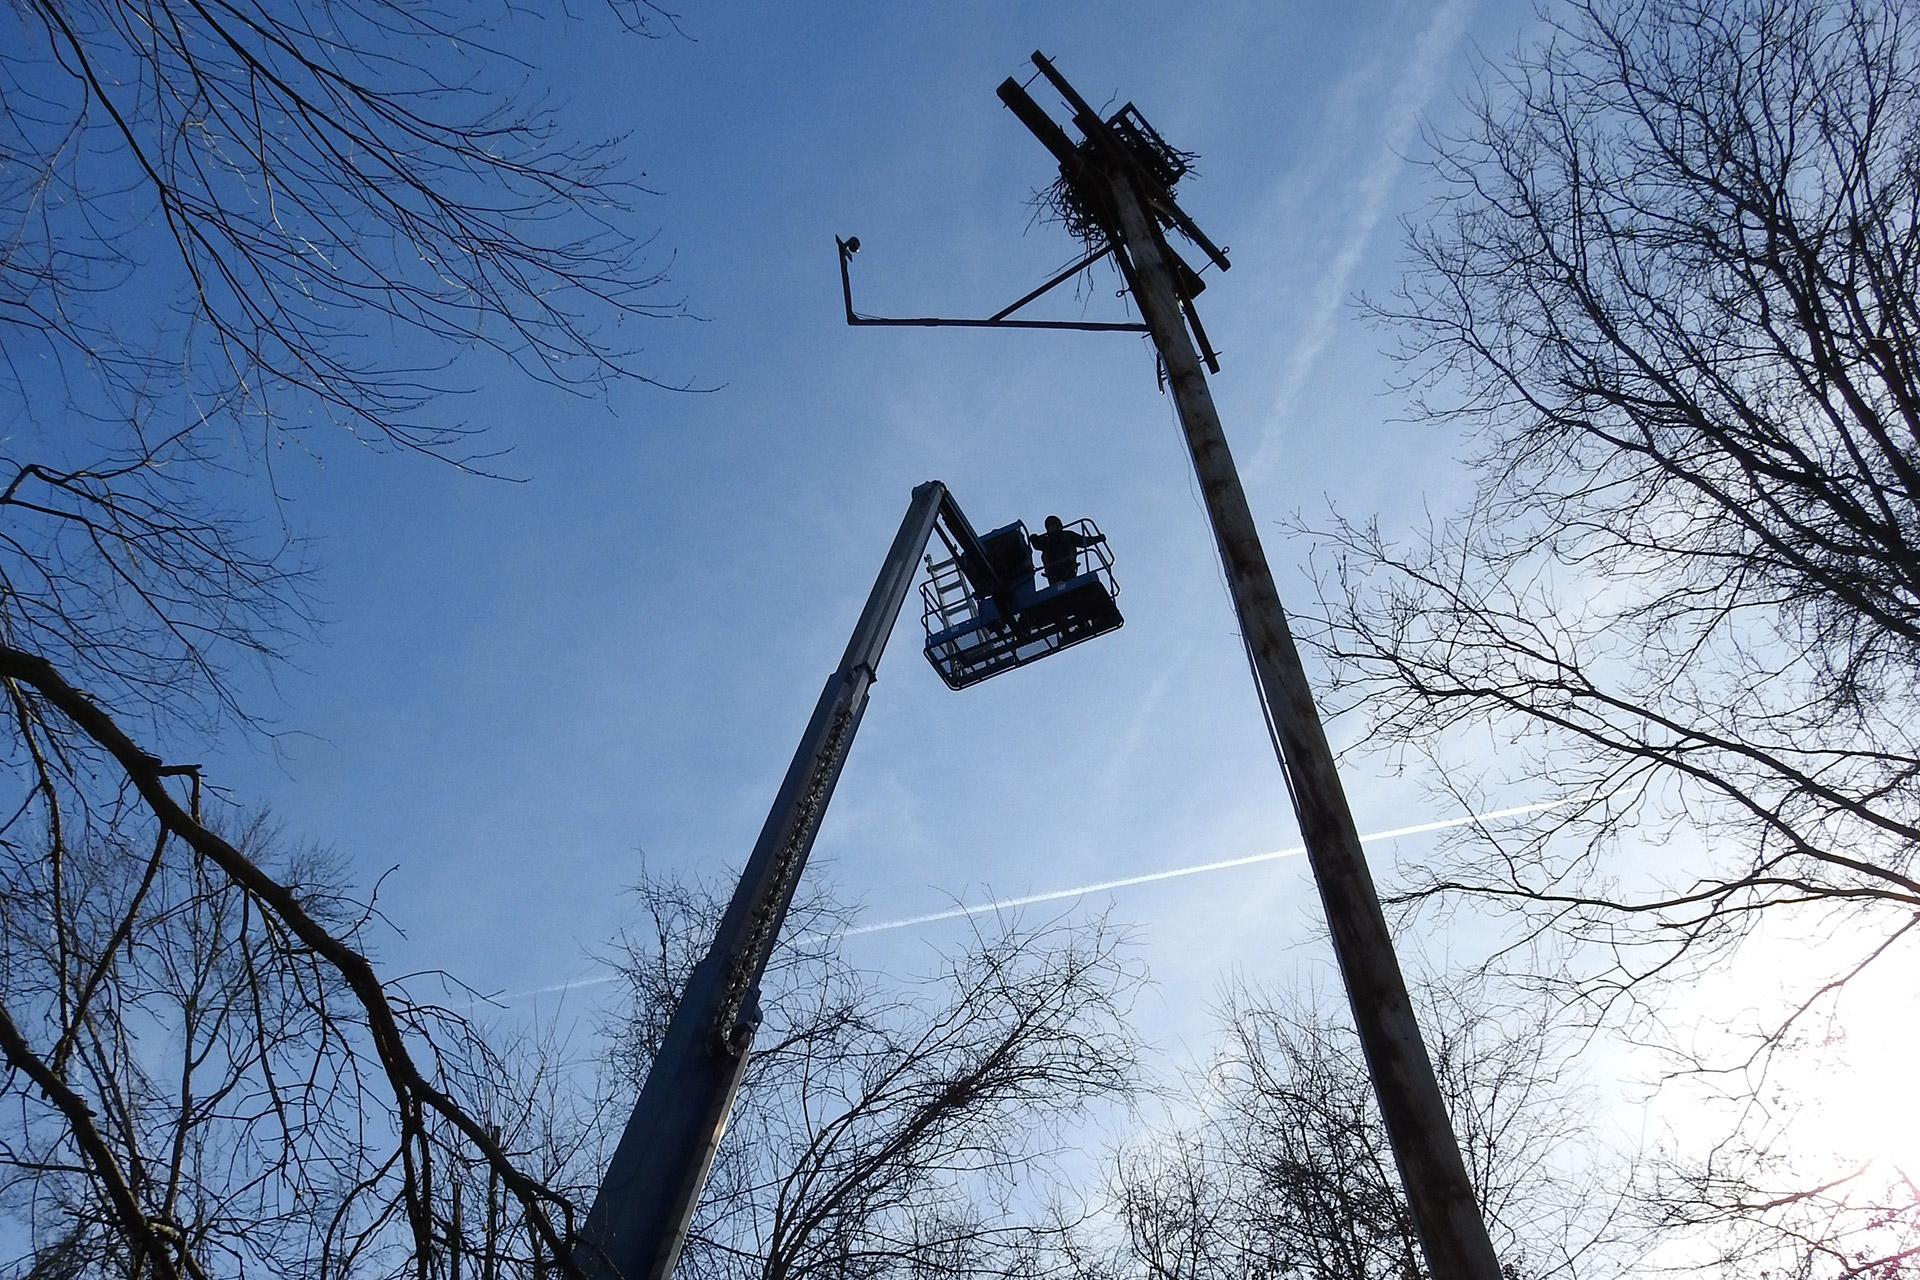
[
  {"x": 1055, "y": 895},
  {"x": 1124, "y": 882},
  {"x": 1414, "y": 87},
  {"x": 571, "y": 984}
]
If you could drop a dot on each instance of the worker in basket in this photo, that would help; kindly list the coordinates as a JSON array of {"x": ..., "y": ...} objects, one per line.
[{"x": 1059, "y": 549}]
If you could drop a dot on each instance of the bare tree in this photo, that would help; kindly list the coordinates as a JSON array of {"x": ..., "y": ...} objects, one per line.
[
  {"x": 198, "y": 1085},
  {"x": 228, "y": 223},
  {"x": 1754, "y": 1208},
  {"x": 1671, "y": 290},
  {"x": 228, "y": 226},
  {"x": 890, "y": 1133},
  {"x": 1280, "y": 1164}
]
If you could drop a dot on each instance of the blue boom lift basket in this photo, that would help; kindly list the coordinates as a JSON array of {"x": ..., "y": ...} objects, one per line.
[{"x": 985, "y": 619}]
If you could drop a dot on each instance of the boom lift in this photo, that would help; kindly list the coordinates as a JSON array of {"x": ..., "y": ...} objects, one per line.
[
  {"x": 985, "y": 612},
  {"x": 986, "y": 609}
]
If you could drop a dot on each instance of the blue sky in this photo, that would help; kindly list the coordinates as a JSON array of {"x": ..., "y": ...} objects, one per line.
[{"x": 524, "y": 688}]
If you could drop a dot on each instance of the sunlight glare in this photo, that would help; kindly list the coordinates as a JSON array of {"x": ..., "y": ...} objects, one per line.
[{"x": 1868, "y": 1096}]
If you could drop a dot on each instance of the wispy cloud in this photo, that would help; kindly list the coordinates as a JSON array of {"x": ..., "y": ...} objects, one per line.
[{"x": 1358, "y": 211}]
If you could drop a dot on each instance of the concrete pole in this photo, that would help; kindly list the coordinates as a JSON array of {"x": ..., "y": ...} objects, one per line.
[{"x": 1452, "y": 1233}]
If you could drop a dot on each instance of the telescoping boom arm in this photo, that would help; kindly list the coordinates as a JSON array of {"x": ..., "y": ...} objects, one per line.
[{"x": 640, "y": 1217}]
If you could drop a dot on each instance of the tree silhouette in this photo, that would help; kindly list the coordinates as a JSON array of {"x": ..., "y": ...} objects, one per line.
[
  {"x": 882, "y": 1133},
  {"x": 1670, "y": 290},
  {"x": 231, "y": 225},
  {"x": 1275, "y": 1162}
]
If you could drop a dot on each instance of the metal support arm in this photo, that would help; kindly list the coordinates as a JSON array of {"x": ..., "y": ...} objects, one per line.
[
  {"x": 640, "y": 1217},
  {"x": 1001, "y": 319}
]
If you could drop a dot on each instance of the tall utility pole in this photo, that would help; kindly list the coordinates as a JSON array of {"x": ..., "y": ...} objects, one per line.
[{"x": 1126, "y": 196}]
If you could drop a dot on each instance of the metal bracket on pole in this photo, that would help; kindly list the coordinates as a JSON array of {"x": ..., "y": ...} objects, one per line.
[
  {"x": 1102, "y": 135},
  {"x": 1000, "y": 319},
  {"x": 1105, "y": 150}
]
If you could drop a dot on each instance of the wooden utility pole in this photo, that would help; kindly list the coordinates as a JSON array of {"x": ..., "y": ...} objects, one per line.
[{"x": 1107, "y": 176}]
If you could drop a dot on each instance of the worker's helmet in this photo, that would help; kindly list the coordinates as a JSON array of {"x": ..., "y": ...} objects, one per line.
[{"x": 1053, "y": 524}]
